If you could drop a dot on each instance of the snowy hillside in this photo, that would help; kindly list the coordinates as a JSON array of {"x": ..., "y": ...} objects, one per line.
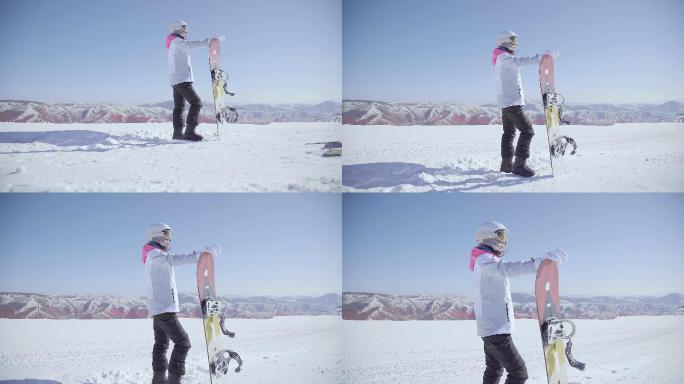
[
  {"x": 366, "y": 112},
  {"x": 618, "y": 158},
  {"x": 39, "y": 112},
  {"x": 377, "y": 306},
  {"x": 38, "y": 306},
  {"x": 629, "y": 350},
  {"x": 294, "y": 349},
  {"x": 282, "y": 157}
]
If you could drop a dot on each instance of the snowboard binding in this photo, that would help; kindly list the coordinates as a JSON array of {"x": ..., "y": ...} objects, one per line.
[
  {"x": 551, "y": 98},
  {"x": 553, "y": 330},
  {"x": 227, "y": 115},
  {"x": 219, "y": 76},
  {"x": 559, "y": 146},
  {"x": 219, "y": 366},
  {"x": 212, "y": 307}
]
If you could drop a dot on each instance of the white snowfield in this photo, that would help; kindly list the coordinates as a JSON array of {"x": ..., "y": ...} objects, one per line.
[
  {"x": 636, "y": 157},
  {"x": 297, "y": 349},
  {"x": 278, "y": 157},
  {"x": 633, "y": 350},
  {"x": 325, "y": 349}
]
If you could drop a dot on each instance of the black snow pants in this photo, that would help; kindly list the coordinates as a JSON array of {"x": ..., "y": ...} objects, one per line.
[
  {"x": 181, "y": 93},
  {"x": 514, "y": 117},
  {"x": 500, "y": 353},
  {"x": 166, "y": 326}
]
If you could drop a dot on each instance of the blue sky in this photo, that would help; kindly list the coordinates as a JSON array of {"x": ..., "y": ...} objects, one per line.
[
  {"x": 273, "y": 244},
  {"x": 612, "y": 51},
  {"x": 113, "y": 51},
  {"x": 618, "y": 244}
]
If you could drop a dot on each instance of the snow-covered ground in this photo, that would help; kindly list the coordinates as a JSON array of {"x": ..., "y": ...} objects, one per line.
[
  {"x": 39, "y": 157},
  {"x": 633, "y": 350},
  {"x": 281, "y": 350},
  {"x": 325, "y": 349},
  {"x": 620, "y": 158}
]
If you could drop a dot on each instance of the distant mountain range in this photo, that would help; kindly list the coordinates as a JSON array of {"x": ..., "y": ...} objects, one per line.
[
  {"x": 369, "y": 112},
  {"x": 38, "y": 306},
  {"x": 378, "y": 306},
  {"x": 38, "y": 112}
]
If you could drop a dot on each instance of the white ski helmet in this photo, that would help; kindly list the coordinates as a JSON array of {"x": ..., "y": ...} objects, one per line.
[
  {"x": 493, "y": 235},
  {"x": 179, "y": 26},
  {"x": 507, "y": 39},
  {"x": 159, "y": 233}
]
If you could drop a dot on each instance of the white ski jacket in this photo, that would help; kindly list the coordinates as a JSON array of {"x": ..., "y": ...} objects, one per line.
[
  {"x": 160, "y": 288},
  {"x": 493, "y": 304},
  {"x": 178, "y": 58},
  {"x": 509, "y": 89}
]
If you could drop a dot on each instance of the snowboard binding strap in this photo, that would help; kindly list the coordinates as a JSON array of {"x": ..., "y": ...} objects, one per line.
[
  {"x": 222, "y": 324},
  {"x": 218, "y": 75},
  {"x": 554, "y": 329},
  {"x": 223, "y": 358},
  {"x": 227, "y": 115},
  {"x": 571, "y": 359},
  {"x": 559, "y": 146}
]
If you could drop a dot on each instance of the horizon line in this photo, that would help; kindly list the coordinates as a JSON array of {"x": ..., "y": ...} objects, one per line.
[
  {"x": 516, "y": 292},
  {"x": 494, "y": 104},
  {"x": 180, "y": 292},
  {"x": 158, "y": 102}
]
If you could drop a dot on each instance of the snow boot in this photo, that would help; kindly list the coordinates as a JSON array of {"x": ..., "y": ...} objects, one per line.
[
  {"x": 506, "y": 164},
  {"x": 522, "y": 169},
  {"x": 174, "y": 379},
  {"x": 159, "y": 377},
  {"x": 178, "y": 134},
  {"x": 191, "y": 135}
]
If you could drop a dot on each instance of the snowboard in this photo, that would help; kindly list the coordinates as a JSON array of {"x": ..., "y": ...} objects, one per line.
[
  {"x": 219, "y": 85},
  {"x": 215, "y": 332},
  {"x": 553, "y": 107},
  {"x": 553, "y": 329}
]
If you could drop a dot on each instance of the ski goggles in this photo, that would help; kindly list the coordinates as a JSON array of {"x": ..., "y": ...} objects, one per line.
[
  {"x": 502, "y": 236},
  {"x": 167, "y": 234}
]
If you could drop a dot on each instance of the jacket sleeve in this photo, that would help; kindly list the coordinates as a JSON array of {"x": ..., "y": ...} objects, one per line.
[
  {"x": 522, "y": 61},
  {"x": 491, "y": 265},
  {"x": 195, "y": 44},
  {"x": 180, "y": 259},
  {"x": 158, "y": 257}
]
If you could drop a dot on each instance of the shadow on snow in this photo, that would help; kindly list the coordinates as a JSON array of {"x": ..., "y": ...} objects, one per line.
[
  {"x": 387, "y": 175},
  {"x": 29, "y": 381},
  {"x": 93, "y": 140}
]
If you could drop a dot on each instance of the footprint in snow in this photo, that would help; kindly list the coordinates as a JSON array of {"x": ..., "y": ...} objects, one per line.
[{"x": 18, "y": 171}]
